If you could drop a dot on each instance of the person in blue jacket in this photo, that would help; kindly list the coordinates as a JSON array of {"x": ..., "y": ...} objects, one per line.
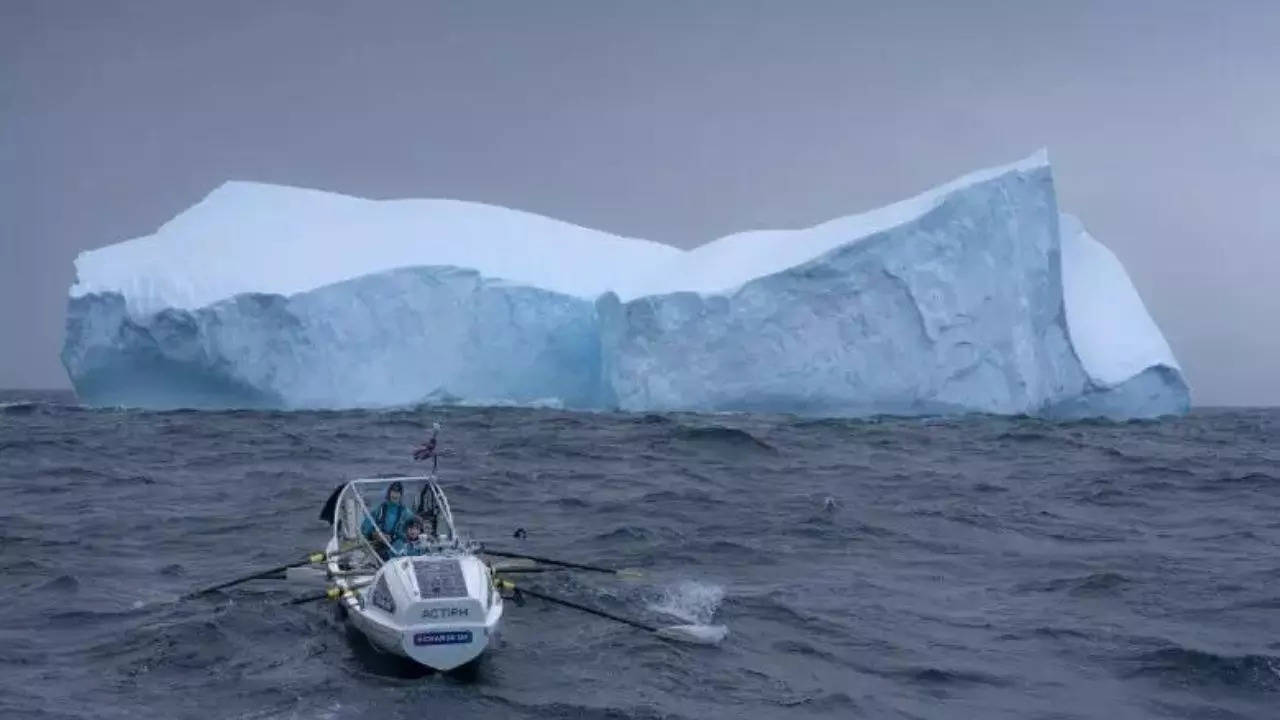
[
  {"x": 390, "y": 515},
  {"x": 411, "y": 543}
]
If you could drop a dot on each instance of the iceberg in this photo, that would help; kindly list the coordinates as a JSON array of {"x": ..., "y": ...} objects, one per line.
[{"x": 976, "y": 296}]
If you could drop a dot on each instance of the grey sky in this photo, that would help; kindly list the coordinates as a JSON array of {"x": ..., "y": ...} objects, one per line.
[{"x": 677, "y": 122}]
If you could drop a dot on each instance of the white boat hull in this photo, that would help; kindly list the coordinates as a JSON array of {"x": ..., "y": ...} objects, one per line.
[
  {"x": 438, "y": 647},
  {"x": 440, "y": 610}
]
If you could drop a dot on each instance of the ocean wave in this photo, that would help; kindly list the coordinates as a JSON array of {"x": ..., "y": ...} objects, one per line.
[
  {"x": 835, "y": 704},
  {"x": 1258, "y": 480},
  {"x": 1182, "y": 665},
  {"x": 721, "y": 436},
  {"x": 1095, "y": 584},
  {"x": 932, "y": 675},
  {"x": 19, "y": 408}
]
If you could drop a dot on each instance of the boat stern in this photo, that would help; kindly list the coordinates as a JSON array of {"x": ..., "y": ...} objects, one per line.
[{"x": 442, "y": 611}]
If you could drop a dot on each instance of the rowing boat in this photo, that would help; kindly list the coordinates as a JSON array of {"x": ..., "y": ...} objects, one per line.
[
  {"x": 438, "y": 603},
  {"x": 440, "y": 609}
]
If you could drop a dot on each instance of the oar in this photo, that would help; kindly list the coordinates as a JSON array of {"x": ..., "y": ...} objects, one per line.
[
  {"x": 311, "y": 559},
  {"x": 696, "y": 634},
  {"x": 562, "y": 563}
]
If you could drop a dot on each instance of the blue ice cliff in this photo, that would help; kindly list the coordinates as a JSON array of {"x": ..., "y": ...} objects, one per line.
[{"x": 977, "y": 296}]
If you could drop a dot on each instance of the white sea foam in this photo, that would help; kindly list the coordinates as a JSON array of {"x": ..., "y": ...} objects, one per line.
[{"x": 690, "y": 600}]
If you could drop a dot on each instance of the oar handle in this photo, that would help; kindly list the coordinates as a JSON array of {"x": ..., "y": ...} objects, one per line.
[{"x": 332, "y": 593}]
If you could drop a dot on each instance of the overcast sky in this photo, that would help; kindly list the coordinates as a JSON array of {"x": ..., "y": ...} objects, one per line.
[{"x": 673, "y": 121}]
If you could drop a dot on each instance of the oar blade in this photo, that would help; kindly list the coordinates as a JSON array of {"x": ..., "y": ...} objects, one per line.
[{"x": 694, "y": 634}]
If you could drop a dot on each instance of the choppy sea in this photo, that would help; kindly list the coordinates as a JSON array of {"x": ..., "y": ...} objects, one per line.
[{"x": 975, "y": 567}]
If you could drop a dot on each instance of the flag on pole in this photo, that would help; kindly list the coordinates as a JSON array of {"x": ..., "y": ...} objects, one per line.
[{"x": 428, "y": 450}]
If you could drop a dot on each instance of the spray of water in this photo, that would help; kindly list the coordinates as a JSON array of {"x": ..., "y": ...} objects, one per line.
[
  {"x": 689, "y": 600},
  {"x": 695, "y": 603}
]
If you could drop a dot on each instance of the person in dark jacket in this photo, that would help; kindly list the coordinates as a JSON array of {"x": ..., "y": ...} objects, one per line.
[{"x": 390, "y": 515}]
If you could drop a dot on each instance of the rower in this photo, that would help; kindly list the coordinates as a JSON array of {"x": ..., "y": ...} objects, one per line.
[
  {"x": 390, "y": 515},
  {"x": 412, "y": 542}
]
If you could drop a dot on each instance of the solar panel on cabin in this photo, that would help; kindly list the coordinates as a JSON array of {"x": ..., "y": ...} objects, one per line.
[{"x": 440, "y": 579}]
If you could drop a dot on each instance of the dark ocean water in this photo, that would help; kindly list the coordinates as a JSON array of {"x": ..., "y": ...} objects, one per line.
[{"x": 930, "y": 568}]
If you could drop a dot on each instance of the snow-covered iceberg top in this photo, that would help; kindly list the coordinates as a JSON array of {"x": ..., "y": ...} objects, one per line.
[
  {"x": 255, "y": 238},
  {"x": 973, "y": 296},
  {"x": 247, "y": 237}
]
